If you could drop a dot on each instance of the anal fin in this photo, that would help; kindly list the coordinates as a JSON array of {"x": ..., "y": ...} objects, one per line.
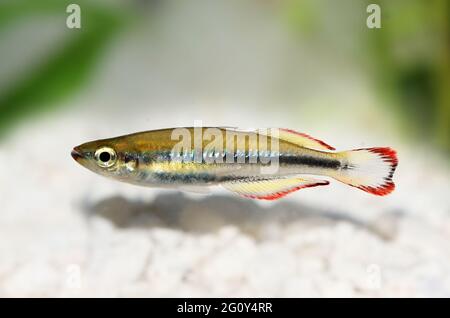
[{"x": 271, "y": 189}]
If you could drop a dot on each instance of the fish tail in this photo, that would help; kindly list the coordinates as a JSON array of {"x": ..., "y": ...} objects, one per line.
[{"x": 368, "y": 169}]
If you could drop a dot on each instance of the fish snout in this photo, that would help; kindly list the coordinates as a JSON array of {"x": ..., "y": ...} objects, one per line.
[{"x": 77, "y": 153}]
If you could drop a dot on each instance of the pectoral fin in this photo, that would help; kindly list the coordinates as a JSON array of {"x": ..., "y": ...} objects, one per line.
[{"x": 271, "y": 189}]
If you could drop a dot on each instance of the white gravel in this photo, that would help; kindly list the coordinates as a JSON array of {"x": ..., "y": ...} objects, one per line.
[{"x": 68, "y": 232}]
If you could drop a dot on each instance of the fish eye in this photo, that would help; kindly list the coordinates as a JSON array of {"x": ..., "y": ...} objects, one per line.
[{"x": 105, "y": 157}]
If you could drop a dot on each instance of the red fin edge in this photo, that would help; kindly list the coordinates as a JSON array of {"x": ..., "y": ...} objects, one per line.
[
  {"x": 309, "y": 137},
  {"x": 278, "y": 195},
  {"x": 384, "y": 189},
  {"x": 388, "y": 155}
]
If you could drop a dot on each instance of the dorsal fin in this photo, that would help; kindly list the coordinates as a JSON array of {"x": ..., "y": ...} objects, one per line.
[
  {"x": 303, "y": 139},
  {"x": 271, "y": 189},
  {"x": 294, "y": 137}
]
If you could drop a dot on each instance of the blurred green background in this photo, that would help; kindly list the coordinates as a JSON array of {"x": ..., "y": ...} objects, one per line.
[{"x": 45, "y": 65}]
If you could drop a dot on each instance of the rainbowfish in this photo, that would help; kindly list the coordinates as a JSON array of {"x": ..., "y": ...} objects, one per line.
[{"x": 260, "y": 164}]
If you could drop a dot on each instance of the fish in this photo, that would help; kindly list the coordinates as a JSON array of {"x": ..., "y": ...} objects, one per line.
[{"x": 257, "y": 164}]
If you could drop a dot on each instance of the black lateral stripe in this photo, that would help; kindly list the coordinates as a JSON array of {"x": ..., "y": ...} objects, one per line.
[
  {"x": 310, "y": 161},
  {"x": 186, "y": 178}
]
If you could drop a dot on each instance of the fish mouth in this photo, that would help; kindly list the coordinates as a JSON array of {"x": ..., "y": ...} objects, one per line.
[{"x": 76, "y": 154}]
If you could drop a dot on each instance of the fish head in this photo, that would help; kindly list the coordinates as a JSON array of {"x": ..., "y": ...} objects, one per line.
[{"x": 113, "y": 158}]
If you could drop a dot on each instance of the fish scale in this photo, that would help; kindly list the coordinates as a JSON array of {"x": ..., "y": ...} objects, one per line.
[{"x": 261, "y": 164}]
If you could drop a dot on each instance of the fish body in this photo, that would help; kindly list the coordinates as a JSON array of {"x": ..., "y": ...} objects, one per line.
[{"x": 264, "y": 164}]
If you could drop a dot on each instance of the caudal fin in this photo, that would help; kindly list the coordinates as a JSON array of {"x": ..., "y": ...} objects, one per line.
[{"x": 369, "y": 169}]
